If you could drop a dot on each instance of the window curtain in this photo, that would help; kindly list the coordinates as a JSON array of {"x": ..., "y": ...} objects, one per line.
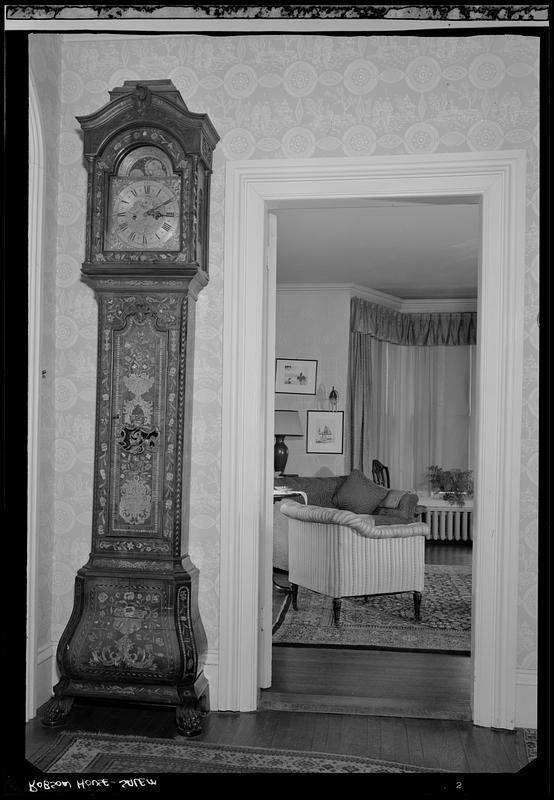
[{"x": 411, "y": 386}]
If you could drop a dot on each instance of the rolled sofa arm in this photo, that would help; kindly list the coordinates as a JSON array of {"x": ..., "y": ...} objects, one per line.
[{"x": 364, "y": 524}]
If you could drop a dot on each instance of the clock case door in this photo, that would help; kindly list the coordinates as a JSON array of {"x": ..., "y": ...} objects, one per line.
[{"x": 135, "y": 632}]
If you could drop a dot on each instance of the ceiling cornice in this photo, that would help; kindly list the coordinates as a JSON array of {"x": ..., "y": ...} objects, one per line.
[{"x": 419, "y": 306}]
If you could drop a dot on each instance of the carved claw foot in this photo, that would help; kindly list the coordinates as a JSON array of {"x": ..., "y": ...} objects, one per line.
[
  {"x": 56, "y": 711},
  {"x": 188, "y": 720}
]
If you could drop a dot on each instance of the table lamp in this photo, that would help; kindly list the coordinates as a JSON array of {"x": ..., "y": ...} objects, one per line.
[{"x": 287, "y": 423}]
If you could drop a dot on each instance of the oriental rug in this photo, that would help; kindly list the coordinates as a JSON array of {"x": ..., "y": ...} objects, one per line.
[
  {"x": 80, "y": 752},
  {"x": 530, "y": 740},
  {"x": 385, "y": 622}
]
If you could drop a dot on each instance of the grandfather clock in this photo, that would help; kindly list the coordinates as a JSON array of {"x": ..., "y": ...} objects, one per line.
[{"x": 135, "y": 632}]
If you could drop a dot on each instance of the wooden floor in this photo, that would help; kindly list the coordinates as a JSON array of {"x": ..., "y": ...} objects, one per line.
[
  {"x": 436, "y": 744},
  {"x": 374, "y": 682},
  {"x": 451, "y": 744}
]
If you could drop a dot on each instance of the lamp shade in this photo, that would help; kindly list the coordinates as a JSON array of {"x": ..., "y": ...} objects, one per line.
[{"x": 287, "y": 423}]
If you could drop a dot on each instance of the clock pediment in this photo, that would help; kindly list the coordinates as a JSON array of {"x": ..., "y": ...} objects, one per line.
[{"x": 153, "y": 103}]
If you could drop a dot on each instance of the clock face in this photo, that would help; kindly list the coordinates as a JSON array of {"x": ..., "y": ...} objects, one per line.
[
  {"x": 145, "y": 204},
  {"x": 145, "y": 214}
]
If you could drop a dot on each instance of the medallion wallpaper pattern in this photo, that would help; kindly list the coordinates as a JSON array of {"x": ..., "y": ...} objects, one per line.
[
  {"x": 274, "y": 96},
  {"x": 46, "y": 91}
]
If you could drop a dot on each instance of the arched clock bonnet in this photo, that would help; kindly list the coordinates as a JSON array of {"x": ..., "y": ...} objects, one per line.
[{"x": 145, "y": 144}]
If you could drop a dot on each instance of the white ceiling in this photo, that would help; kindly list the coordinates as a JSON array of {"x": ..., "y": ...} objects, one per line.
[{"x": 412, "y": 249}]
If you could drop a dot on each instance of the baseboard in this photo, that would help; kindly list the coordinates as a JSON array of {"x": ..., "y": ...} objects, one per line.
[
  {"x": 211, "y": 671},
  {"x": 45, "y": 676},
  {"x": 526, "y": 698}
]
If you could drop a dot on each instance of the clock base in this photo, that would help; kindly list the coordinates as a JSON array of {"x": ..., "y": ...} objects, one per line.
[
  {"x": 191, "y": 701},
  {"x": 135, "y": 637}
]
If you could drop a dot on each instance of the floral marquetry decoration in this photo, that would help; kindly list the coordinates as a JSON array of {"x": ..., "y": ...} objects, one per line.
[
  {"x": 135, "y": 624},
  {"x": 125, "y": 632}
]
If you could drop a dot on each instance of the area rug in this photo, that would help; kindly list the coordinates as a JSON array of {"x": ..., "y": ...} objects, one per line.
[
  {"x": 530, "y": 741},
  {"x": 385, "y": 622},
  {"x": 80, "y": 752}
]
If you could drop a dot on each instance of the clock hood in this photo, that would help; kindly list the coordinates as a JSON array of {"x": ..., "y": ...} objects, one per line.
[{"x": 155, "y": 103}]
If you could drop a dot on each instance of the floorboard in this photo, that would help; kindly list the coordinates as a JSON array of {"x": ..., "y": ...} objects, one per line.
[
  {"x": 375, "y": 682},
  {"x": 394, "y": 739},
  {"x": 370, "y": 677},
  {"x": 370, "y": 682},
  {"x": 416, "y": 753},
  {"x": 445, "y": 744}
]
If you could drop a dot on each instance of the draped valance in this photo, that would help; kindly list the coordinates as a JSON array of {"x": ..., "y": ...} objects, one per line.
[{"x": 397, "y": 327}]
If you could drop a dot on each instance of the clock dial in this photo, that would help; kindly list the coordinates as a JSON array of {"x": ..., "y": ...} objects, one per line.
[
  {"x": 144, "y": 214},
  {"x": 149, "y": 161}
]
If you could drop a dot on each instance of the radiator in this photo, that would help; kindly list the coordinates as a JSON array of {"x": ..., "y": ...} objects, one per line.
[{"x": 453, "y": 524}]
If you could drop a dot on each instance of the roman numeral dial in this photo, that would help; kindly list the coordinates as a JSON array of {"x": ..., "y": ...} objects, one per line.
[{"x": 145, "y": 214}]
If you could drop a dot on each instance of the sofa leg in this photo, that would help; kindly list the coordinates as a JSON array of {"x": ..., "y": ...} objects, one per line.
[
  {"x": 294, "y": 593},
  {"x": 417, "y": 605},
  {"x": 336, "y": 609}
]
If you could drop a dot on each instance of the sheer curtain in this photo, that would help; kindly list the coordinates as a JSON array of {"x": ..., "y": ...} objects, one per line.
[{"x": 410, "y": 391}]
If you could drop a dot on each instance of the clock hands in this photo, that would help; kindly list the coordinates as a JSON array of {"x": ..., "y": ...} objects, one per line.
[
  {"x": 153, "y": 212},
  {"x": 135, "y": 223},
  {"x": 165, "y": 202}
]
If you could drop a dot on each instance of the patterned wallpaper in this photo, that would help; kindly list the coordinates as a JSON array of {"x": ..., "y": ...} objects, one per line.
[
  {"x": 280, "y": 96},
  {"x": 45, "y": 64}
]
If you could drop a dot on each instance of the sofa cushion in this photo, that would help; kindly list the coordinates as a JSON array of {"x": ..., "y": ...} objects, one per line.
[
  {"x": 384, "y": 519},
  {"x": 405, "y": 508},
  {"x": 391, "y": 519},
  {"x": 359, "y": 494},
  {"x": 319, "y": 491},
  {"x": 393, "y": 498}
]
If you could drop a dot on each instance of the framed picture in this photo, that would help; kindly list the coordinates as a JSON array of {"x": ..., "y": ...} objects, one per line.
[
  {"x": 295, "y": 376},
  {"x": 324, "y": 432}
]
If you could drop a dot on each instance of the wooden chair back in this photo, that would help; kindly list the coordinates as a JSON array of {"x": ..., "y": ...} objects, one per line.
[{"x": 380, "y": 473}]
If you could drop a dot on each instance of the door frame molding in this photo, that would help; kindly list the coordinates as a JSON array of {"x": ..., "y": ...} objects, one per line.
[{"x": 497, "y": 179}]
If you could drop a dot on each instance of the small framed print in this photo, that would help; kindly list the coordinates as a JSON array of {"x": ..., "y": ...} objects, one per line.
[
  {"x": 325, "y": 432},
  {"x": 295, "y": 376}
]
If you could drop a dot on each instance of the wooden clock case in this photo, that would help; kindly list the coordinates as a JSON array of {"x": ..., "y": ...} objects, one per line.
[{"x": 135, "y": 633}]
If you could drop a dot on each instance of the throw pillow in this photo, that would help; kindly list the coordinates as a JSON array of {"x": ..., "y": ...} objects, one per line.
[
  {"x": 393, "y": 498},
  {"x": 405, "y": 508},
  {"x": 358, "y": 494}
]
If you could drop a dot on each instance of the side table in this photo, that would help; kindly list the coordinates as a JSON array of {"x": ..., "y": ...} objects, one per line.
[{"x": 279, "y": 493}]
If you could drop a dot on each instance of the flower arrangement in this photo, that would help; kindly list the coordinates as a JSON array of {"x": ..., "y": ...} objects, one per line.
[{"x": 454, "y": 485}]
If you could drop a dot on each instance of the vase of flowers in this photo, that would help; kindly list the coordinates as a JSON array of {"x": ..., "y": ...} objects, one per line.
[{"x": 453, "y": 485}]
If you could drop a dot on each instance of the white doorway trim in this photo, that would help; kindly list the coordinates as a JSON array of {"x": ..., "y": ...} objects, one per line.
[{"x": 252, "y": 187}]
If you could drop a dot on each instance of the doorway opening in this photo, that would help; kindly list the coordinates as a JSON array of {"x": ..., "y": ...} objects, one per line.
[
  {"x": 416, "y": 255},
  {"x": 253, "y": 188}
]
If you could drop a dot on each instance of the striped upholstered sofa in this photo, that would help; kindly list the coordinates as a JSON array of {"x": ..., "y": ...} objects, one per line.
[
  {"x": 397, "y": 506},
  {"x": 344, "y": 553}
]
